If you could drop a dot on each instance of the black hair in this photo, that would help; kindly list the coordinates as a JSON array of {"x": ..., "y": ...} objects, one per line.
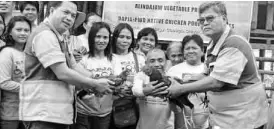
[
  {"x": 91, "y": 39},
  {"x": 7, "y": 38},
  {"x": 145, "y": 32},
  {"x": 197, "y": 39},
  {"x": 116, "y": 34},
  {"x": 56, "y": 4},
  {"x": 25, "y": 3}
]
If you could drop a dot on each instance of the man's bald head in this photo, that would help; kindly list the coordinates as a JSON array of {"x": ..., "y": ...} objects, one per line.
[
  {"x": 156, "y": 58},
  {"x": 156, "y": 51}
]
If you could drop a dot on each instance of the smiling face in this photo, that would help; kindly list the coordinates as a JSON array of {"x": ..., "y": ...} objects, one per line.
[
  {"x": 101, "y": 39},
  {"x": 215, "y": 23},
  {"x": 63, "y": 17},
  {"x": 147, "y": 43},
  {"x": 193, "y": 53},
  {"x": 30, "y": 12},
  {"x": 157, "y": 59},
  {"x": 20, "y": 32},
  {"x": 6, "y": 6},
  {"x": 124, "y": 40}
]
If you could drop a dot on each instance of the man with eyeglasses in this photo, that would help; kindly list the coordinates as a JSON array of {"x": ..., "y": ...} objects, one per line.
[{"x": 237, "y": 99}]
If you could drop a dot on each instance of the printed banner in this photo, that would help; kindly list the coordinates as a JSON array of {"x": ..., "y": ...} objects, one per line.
[{"x": 173, "y": 19}]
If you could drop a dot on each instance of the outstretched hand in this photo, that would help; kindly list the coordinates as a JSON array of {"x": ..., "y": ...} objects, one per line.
[{"x": 175, "y": 89}]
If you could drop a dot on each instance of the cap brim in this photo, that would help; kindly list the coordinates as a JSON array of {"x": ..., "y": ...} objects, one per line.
[{"x": 79, "y": 19}]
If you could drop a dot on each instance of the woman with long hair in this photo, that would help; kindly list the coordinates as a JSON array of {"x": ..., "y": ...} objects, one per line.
[
  {"x": 12, "y": 70},
  {"x": 94, "y": 110},
  {"x": 122, "y": 46}
]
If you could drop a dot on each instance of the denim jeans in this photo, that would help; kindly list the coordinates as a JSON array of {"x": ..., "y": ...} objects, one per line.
[
  {"x": 11, "y": 124},
  {"x": 92, "y": 122},
  {"x": 44, "y": 125}
]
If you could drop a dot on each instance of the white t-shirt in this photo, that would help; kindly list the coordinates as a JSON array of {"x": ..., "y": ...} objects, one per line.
[
  {"x": 200, "y": 113},
  {"x": 98, "y": 105},
  {"x": 128, "y": 62},
  {"x": 12, "y": 70}
]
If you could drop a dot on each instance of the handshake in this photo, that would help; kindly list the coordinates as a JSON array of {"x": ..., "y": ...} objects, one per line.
[
  {"x": 156, "y": 75},
  {"x": 118, "y": 81}
]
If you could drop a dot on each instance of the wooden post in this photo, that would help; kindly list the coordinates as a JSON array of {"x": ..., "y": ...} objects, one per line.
[
  {"x": 254, "y": 15},
  {"x": 269, "y": 18},
  {"x": 41, "y": 12},
  {"x": 261, "y": 64},
  {"x": 85, "y": 7},
  {"x": 272, "y": 62}
]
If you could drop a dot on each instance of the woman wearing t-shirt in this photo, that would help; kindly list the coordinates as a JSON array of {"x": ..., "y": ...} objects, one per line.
[
  {"x": 12, "y": 70},
  {"x": 193, "y": 66},
  {"x": 122, "y": 46},
  {"x": 94, "y": 109}
]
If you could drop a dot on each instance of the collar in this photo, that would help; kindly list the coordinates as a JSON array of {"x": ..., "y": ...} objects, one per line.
[
  {"x": 220, "y": 42},
  {"x": 59, "y": 36}
]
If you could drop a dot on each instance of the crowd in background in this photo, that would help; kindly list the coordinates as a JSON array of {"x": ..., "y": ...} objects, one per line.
[{"x": 51, "y": 79}]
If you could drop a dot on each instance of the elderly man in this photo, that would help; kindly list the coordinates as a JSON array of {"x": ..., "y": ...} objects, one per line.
[
  {"x": 237, "y": 99},
  {"x": 46, "y": 97}
]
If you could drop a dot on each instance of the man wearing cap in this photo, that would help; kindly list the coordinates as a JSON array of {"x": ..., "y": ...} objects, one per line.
[{"x": 47, "y": 96}]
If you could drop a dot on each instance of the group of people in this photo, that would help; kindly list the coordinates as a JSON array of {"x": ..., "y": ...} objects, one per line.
[{"x": 44, "y": 70}]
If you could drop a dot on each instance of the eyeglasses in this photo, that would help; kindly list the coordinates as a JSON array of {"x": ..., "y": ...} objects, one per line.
[{"x": 208, "y": 19}]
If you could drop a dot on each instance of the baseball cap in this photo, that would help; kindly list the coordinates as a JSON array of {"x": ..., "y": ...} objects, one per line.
[{"x": 80, "y": 18}]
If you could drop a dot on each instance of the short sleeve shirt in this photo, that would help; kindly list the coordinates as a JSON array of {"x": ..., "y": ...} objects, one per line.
[
  {"x": 47, "y": 49},
  {"x": 232, "y": 61}
]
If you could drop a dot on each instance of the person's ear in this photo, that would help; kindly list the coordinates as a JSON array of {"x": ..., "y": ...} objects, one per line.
[
  {"x": 51, "y": 10},
  {"x": 224, "y": 18}
]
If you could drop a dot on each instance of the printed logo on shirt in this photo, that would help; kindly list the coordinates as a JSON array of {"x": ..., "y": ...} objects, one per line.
[
  {"x": 18, "y": 67},
  {"x": 18, "y": 70},
  {"x": 128, "y": 65},
  {"x": 101, "y": 72}
]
